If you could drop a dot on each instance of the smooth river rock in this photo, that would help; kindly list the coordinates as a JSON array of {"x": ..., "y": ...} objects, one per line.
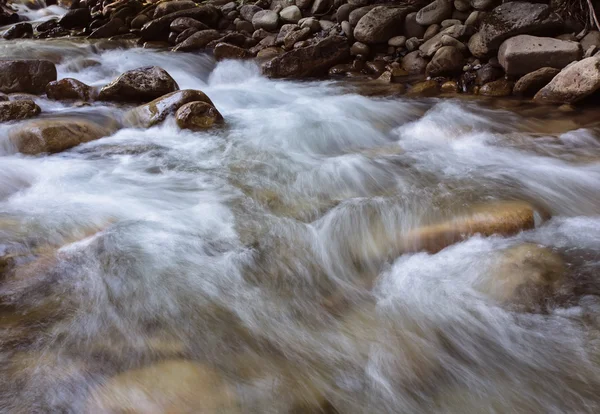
[
  {"x": 198, "y": 116},
  {"x": 435, "y": 12},
  {"x": 381, "y": 24},
  {"x": 30, "y": 76},
  {"x": 531, "y": 83},
  {"x": 197, "y": 40},
  {"x": 158, "y": 29},
  {"x": 139, "y": 85},
  {"x": 573, "y": 83}
]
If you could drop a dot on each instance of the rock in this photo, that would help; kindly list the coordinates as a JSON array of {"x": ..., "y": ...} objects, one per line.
[
  {"x": 347, "y": 29},
  {"x": 326, "y": 25},
  {"x": 310, "y": 60},
  {"x": 531, "y": 83},
  {"x": 435, "y": 12},
  {"x": 158, "y": 110},
  {"x": 321, "y": 7},
  {"x": 248, "y": 11},
  {"x": 523, "y": 54},
  {"x": 18, "y": 31},
  {"x": 487, "y": 73},
  {"x": 358, "y": 14},
  {"x": 183, "y": 36},
  {"x": 312, "y": 23},
  {"x": 139, "y": 85},
  {"x": 54, "y": 135},
  {"x": 197, "y": 116},
  {"x": 174, "y": 386},
  {"x": 590, "y": 39},
  {"x": 450, "y": 22},
  {"x": 30, "y": 76},
  {"x": 448, "y": 60},
  {"x": 412, "y": 28},
  {"x": 109, "y": 29},
  {"x": 182, "y": 24},
  {"x": 244, "y": 26},
  {"x": 304, "y": 4},
  {"x": 360, "y": 49},
  {"x": 168, "y": 7},
  {"x": 512, "y": 19},
  {"x": 17, "y": 110},
  {"x": 462, "y": 5},
  {"x": 75, "y": 18},
  {"x": 500, "y": 87},
  {"x": 295, "y": 36},
  {"x": 474, "y": 19},
  {"x": 450, "y": 87},
  {"x": 376, "y": 67},
  {"x": 156, "y": 44},
  {"x": 69, "y": 89},
  {"x": 397, "y": 41},
  {"x": 269, "y": 53},
  {"x": 591, "y": 51},
  {"x": 224, "y": 51},
  {"x": 198, "y": 40},
  {"x": 414, "y": 63},
  {"x": 139, "y": 21},
  {"x": 266, "y": 19},
  {"x": 431, "y": 31},
  {"x": 47, "y": 25},
  {"x": 380, "y": 24},
  {"x": 484, "y": 4},
  {"x": 343, "y": 12},
  {"x": 425, "y": 89},
  {"x": 413, "y": 44},
  {"x": 291, "y": 14},
  {"x": 573, "y": 83},
  {"x": 236, "y": 39},
  {"x": 158, "y": 29}
]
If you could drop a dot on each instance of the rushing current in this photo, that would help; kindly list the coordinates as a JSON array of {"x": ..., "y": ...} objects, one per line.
[{"x": 262, "y": 253}]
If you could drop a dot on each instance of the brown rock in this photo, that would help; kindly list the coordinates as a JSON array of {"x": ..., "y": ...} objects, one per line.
[
  {"x": 487, "y": 73},
  {"x": 198, "y": 40},
  {"x": 500, "y": 87},
  {"x": 414, "y": 63},
  {"x": 381, "y": 23},
  {"x": 450, "y": 87},
  {"x": 75, "y": 18},
  {"x": 138, "y": 85},
  {"x": 435, "y": 12},
  {"x": 226, "y": 51},
  {"x": 19, "y": 31},
  {"x": 29, "y": 76},
  {"x": 168, "y": 7},
  {"x": 17, "y": 110},
  {"x": 69, "y": 89},
  {"x": 109, "y": 29},
  {"x": 412, "y": 28},
  {"x": 269, "y": 52},
  {"x": 531, "y": 83},
  {"x": 573, "y": 83},
  {"x": 158, "y": 29},
  {"x": 448, "y": 60},
  {"x": 424, "y": 89},
  {"x": 198, "y": 116},
  {"x": 181, "y": 24},
  {"x": 139, "y": 21},
  {"x": 295, "y": 36},
  {"x": 181, "y": 37}
]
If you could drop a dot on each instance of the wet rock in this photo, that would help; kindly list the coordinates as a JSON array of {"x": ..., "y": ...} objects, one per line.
[
  {"x": 359, "y": 48},
  {"x": 244, "y": 26},
  {"x": 236, "y": 39},
  {"x": 310, "y": 60},
  {"x": 29, "y": 76},
  {"x": 450, "y": 22},
  {"x": 531, "y": 83},
  {"x": 198, "y": 40},
  {"x": 109, "y": 29},
  {"x": 450, "y": 87},
  {"x": 269, "y": 53},
  {"x": 590, "y": 39},
  {"x": 75, "y": 18},
  {"x": 462, "y": 5},
  {"x": 54, "y": 135},
  {"x": 265, "y": 19},
  {"x": 523, "y": 54},
  {"x": 156, "y": 44},
  {"x": 474, "y": 19},
  {"x": 500, "y": 87},
  {"x": 414, "y": 63},
  {"x": 158, "y": 110},
  {"x": 295, "y": 36},
  {"x": 412, "y": 28},
  {"x": 139, "y": 85},
  {"x": 69, "y": 89},
  {"x": 47, "y": 25},
  {"x": 348, "y": 30},
  {"x": 427, "y": 88},
  {"x": 19, "y": 31},
  {"x": 17, "y": 110},
  {"x": 512, "y": 19},
  {"x": 181, "y": 37},
  {"x": 573, "y": 83},
  {"x": 380, "y": 24},
  {"x": 448, "y": 60},
  {"x": 175, "y": 386},
  {"x": 182, "y": 24},
  {"x": 198, "y": 116},
  {"x": 158, "y": 29},
  {"x": 224, "y": 51},
  {"x": 291, "y": 14},
  {"x": 168, "y": 7},
  {"x": 487, "y": 73},
  {"x": 435, "y": 12},
  {"x": 139, "y": 21}
]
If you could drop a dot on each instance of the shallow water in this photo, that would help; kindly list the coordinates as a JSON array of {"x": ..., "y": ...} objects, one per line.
[{"x": 261, "y": 250}]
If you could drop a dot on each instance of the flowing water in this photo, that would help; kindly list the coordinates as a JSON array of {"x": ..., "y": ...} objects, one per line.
[{"x": 259, "y": 251}]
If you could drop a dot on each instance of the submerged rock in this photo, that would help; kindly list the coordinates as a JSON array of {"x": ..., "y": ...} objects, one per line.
[
  {"x": 69, "y": 89},
  {"x": 24, "y": 75},
  {"x": 198, "y": 116},
  {"x": 139, "y": 85},
  {"x": 17, "y": 110},
  {"x": 573, "y": 83}
]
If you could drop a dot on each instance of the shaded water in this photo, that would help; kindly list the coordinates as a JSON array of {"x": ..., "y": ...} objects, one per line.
[{"x": 260, "y": 251}]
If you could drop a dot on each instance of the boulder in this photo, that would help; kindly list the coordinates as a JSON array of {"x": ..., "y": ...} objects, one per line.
[
  {"x": 224, "y": 51},
  {"x": 172, "y": 386},
  {"x": 269, "y": 53},
  {"x": 435, "y": 12},
  {"x": 75, "y": 18},
  {"x": 531, "y": 83},
  {"x": 158, "y": 29},
  {"x": 573, "y": 83},
  {"x": 108, "y": 30},
  {"x": 198, "y": 116},
  {"x": 168, "y": 7},
  {"x": 198, "y": 40},
  {"x": 139, "y": 85},
  {"x": 523, "y": 54},
  {"x": 448, "y": 60},
  {"x": 69, "y": 89},
  {"x": 291, "y": 14},
  {"x": 312, "y": 23},
  {"x": 266, "y": 19},
  {"x": 158, "y": 110},
  {"x": 414, "y": 63},
  {"x": 498, "y": 88},
  {"x": 450, "y": 87},
  {"x": 311, "y": 60},
  {"x": 381, "y": 23},
  {"x": 30, "y": 76},
  {"x": 18, "y": 31},
  {"x": 512, "y": 19},
  {"x": 181, "y": 24},
  {"x": 359, "y": 48},
  {"x": 54, "y": 135},
  {"x": 17, "y": 110}
]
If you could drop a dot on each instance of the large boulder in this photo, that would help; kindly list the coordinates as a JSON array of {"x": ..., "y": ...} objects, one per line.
[
  {"x": 157, "y": 111},
  {"x": 158, "y": 29},
  {"x": 198, "y": 116},
  {"x": 265, "y": 19},
  {"x": 523, "y": 54},
  {"x": 381, "y": 23},
  {"x": 531, "y": 83},
  {"x": 198, "y": 40},
  {"x": 139, "y": 85},
  {"x": 435, "y": 12},
  {"x": 310, "y": 60},
  {"x": 30, "y": 76},
  {"x": 17, "y": 110},
  {"x": 69, "y": 89},
  {"x": 512, "y": 19},
  {"x": 448, "y": 60},
  {"x": 54, "y": 135},
  {"x": 573, "y": 83}
]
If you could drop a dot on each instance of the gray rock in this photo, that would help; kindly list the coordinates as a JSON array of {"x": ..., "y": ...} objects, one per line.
[
  {"x": 158, "y": 29},
  {"x": 357, "y": 14},
  {"x": 168, "y": 7},
  {"x": 312, "y": 23},
  {"x": 448, "y": 60},
  {"x": 573, "y": 83},
  {"x": 197, "y": 41},
  {"x": 295, "y": 36},
  {"x": 248, "y": 11},
  {"x": 143, "y": 84},
  {"x": 266, "y": 19},
  {"x": 184, "y": 23},
  {"x": 291, "y": 14},
  {"x": 413, "y": 44},
  {"x": 343, "y": 12},
  {"x": 487, "y": 73},
  {"x": 435, "y": 12},
  {"x": 590, "y": 39},
  {"x": 347, "y": 29},
  {"x": 380, "y": 24},
  {"x": 326, "y": 25},
  {"x": 523, "y": 54},
  {"x": 224, "y": 51},
  {"x": 320, "y": 7},
  {"x": 244, "y": 26},
  {"x": 474, "y": 18},
  {"x": 450, "y": 22},
  {"x": 359, "y": 48},
  {"x": 431, "y": 31},
  {"x": 397, "y": 41},
  {"x": 414, "y": 63},
  {"x": 531, "y": 83},
  {"x": 304, "y": 4},
  {"x": 462, "y": 5},
  {"x": 484, "y": 4},
  {"x": 30, "y": 76}
]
